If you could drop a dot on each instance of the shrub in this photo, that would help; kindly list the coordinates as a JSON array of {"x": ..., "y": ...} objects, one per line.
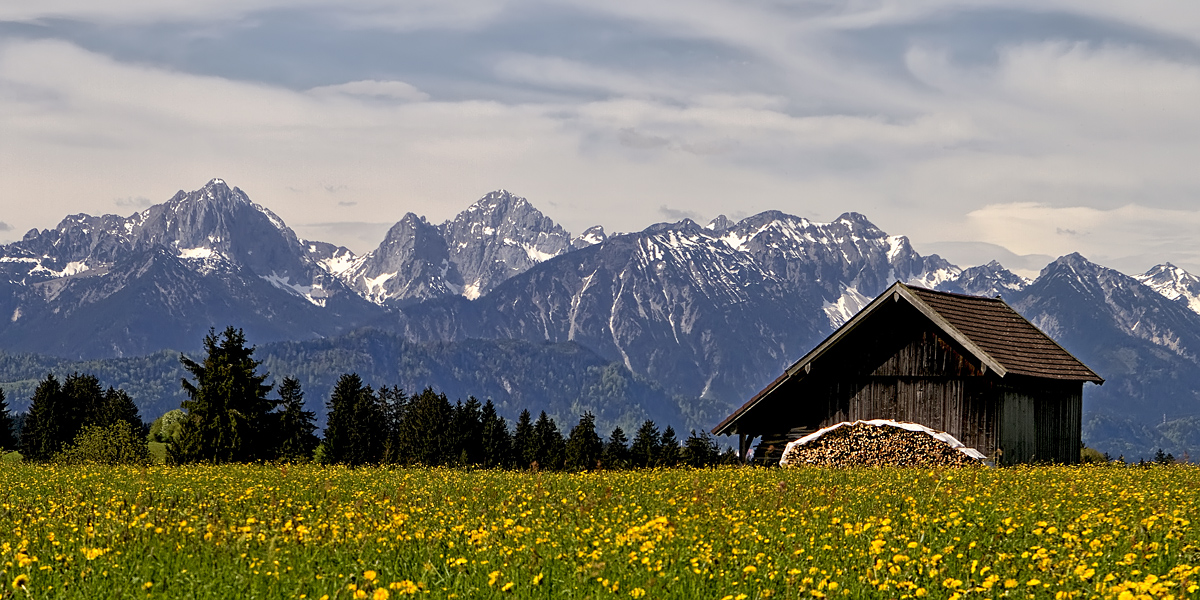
[
  {"x": 166, "y": 426},
  {"x": 1091, "y": 455},
  {"x": 117, "y": 444}
]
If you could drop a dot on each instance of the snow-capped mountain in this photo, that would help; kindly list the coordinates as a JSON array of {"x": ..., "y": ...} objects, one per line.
[
  {"x": 97, "y": 286},
  {"x": 707, "y": 314},
  {"x": 1145, "y": 345},
  {"x": 989, "y": 280},
  {"x": 1173, "y": 283},
  {"x": 498, "y": 236}
]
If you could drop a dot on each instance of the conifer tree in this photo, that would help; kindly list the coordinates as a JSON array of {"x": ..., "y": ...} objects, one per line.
[
  {"x": 584, "y": 446},
  {"x": 294, "y": 428},
  {"x": 644, "y": 450},
  {"x": 497, "y": 443},
  {"x": 424, "y": 429},
  {"x": 700, "y": 450},
  {"x": 42, "y": 432},
  {"x": 523, "y": 446},
  {"x": 118, "y": 407},
  {"x": 227, "y": 407},
  {"x": 668, "y": 449},
  {"x": 84, "y": 405},
  {"x": 394, "y": 404},
  {"x": 548, "y": 444},
  {"x": 616, "y": 450},
  {"x": 467, "y": 433},
  {"x": 8, "y": 426},
  {"x": 353, "y": 434}
]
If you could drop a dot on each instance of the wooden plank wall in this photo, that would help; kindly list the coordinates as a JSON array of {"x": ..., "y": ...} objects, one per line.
[{"x": 1041, "y": 422}]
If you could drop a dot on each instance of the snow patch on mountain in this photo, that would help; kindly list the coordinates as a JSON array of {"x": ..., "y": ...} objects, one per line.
[
  {"x": 314, "y": 293},
  {"x": 1173, "y": 283},
  {"x": 846, "y": 306}
]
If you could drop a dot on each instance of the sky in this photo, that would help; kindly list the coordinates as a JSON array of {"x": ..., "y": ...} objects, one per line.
[{"x": 1015, "y": 130}]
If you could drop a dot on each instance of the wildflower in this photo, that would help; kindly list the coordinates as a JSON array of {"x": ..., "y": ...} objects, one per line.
[
  {"x": 537, "y": 579},
  {"x": 637, "y": 592},
  {"x": 380, "y": 594},
  {"x": 492, "y": 577},
  {"x": 750, "y": 569},
  {"x": 369, "y": 575},
  {"x": 20, "y": 582},
  {"x": 146, "y": 586},
  {"x": 404, "y": 587},
  {"x": 507, "y": 586}
]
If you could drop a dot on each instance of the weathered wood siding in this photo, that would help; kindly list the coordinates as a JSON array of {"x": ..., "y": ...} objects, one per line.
[{"x": 1040, "y": 422}]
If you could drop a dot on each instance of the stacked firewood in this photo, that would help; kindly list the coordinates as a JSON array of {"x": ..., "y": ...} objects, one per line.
[{"x": 862, "y": 444}]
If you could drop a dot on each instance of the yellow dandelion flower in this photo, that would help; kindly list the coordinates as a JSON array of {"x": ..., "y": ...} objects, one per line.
[
  {"x": 20, "y": 582},
  {"x": 369, "y": 575},
  {"x": 537, "y": 579},
  {"x": 380, "y": 594},
  {"x": 147, "y": 585},
  {"x": 750, "y": 569},
  {"x": 492, "y": 577},
  {"x": 507, "y": 586}
]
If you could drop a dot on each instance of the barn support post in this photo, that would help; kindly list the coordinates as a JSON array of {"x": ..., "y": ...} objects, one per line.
[{"x": 743, "y": 445}]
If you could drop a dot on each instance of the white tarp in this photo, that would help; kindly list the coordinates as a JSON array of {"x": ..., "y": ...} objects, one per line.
[{"x": 939, "y": 435}]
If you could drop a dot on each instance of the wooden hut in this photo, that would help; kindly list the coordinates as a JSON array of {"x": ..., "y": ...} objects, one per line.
[{"x": 967, "y": 365}]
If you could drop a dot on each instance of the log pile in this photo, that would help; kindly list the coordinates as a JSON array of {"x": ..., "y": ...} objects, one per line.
[{"x": 867, "y": 445}]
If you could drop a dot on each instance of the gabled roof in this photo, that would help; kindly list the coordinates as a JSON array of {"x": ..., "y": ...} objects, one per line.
[{"x": 988, "y": 329}]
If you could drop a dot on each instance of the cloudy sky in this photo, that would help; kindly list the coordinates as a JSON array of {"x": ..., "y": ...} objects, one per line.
[{"x": 1013, "y": 130}]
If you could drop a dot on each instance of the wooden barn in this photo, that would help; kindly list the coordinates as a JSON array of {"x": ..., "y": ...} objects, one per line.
[{"x": 967, "y": 365}]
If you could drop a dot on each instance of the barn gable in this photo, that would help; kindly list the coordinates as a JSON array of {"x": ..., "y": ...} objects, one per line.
[{"x": 968, "y": 365}]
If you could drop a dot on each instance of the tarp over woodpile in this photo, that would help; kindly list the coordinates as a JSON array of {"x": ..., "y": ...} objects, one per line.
[{"x": 879, "y": 442}]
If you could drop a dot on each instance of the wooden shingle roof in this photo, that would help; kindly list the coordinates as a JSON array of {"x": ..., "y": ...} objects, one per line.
[
  {"x": 1006, "y": 336},
  {"x": 988, "y": 328}
]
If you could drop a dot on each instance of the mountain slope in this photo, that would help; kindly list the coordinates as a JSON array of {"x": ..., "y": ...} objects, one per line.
[
  {"x": 497, "y": 237},
  {"x": 1145, "y": 346},
  {"x": 563, "y": 379},
  {"x": 117, "y": 286}
]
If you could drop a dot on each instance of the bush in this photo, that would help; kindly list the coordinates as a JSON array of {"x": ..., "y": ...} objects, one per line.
[
  {"x": 117, "y": 444},
  {"x": 1091, "y": 455},
  {"x": 166, "y": 426}
]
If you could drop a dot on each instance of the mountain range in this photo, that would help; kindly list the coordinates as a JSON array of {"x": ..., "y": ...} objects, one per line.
[{"x": 687, "y": 319}]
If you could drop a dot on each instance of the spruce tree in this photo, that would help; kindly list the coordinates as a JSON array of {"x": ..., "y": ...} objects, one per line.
[
  {"x": 424, "y": 429},
  {"x": 353, "y": 434},
  {"x": 295, "y": 439},
  {"x": 523, "y": 446},
  {"x": 394, "y": 404},
  {"x": 42, "y": 432},
  {"x": 548, "y": 445},
  {"x": 497, "y": 443},
  {"x": 584, "y": 446},
  {"x": 118, "y": 407},
  {"x": 668, "y": 449},
  {"x": 467, "y": 433},
  {"x": 8, "y": 426},
  {"x": 84, "y": 405},
  {"x": 644, "y": 450},
  {"x": 700, "y": 450},
  {"x": 616, "y": 450},
  {"x": 227, "y": 407}
]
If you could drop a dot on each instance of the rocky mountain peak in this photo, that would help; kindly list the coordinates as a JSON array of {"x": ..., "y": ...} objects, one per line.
[
  {"x": 989, "y": 280},
  {"x": 1173, "y": 283},
  {"x": 590, "y": 237},
  {"x": 499, "y": 236}
]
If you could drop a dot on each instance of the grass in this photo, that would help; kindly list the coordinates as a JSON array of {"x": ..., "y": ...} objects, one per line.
[{"x": 310, "y": 532}]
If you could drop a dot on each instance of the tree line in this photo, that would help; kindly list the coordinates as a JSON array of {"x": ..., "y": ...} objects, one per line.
[{"x": 228, "y": 416}]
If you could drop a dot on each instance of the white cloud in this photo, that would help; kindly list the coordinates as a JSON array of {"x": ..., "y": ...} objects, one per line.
[
  {"x": 389, "y": 90},
  {"x": 783, "y": 114},
  {"x": 1104, "y": 235}
]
